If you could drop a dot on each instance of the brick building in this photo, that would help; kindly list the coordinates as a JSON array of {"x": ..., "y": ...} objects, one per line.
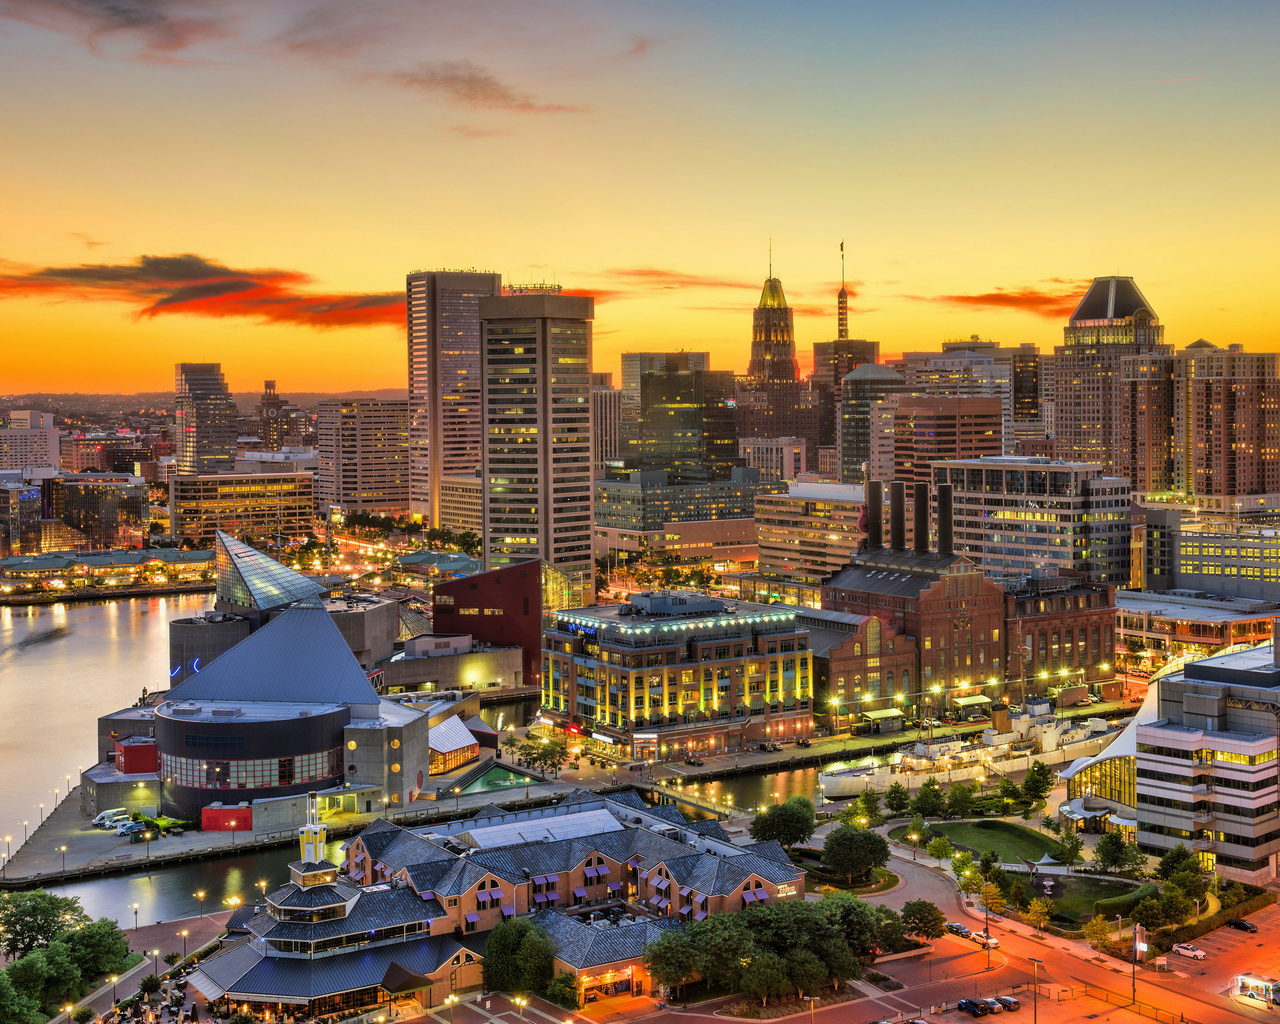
[{"x": 860, "y": 665}]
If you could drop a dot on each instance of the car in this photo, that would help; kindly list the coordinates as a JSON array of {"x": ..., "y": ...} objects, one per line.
[
  {"x": 105, "y": 816},
  {"x": 1009, "y": 1002},
  {"x": 694, "y": 762},
  {"x": 992, "y": 1005},
  {"x": 804, "y": 741},
  {"x": 936, "y": 723},
  {"x": 985, "y": 940},
  {"x": 1136, "y": 700},
  {"x": 1084, "y": 703},
  {"x": 128, "y": 828},
  {"x": 973, "y": 1006},
  {"x": 958, "y": 929},
  {"x": 1241, "y": 925},
  {"x": 1188, "y": 950},
  {"x": 1094, "y": 699}
]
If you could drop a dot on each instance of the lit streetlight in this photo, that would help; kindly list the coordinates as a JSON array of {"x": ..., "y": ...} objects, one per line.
[
  {"x": 64, "y": 859},
  {"x": 135, "y": 917},
  {"x": 200, "y": 897},
  {"x": 147, "y": 837},
  {"x": 915, "y": 844},
  {"x": 183, "y": 933},
  {"x": 262, "y": 886},
  {"x": 449, "y": 1001},
  {"x": 457, "y": 795},
  {"x": 811, "y": 1000},
  {"x": 233, "y": 833},
  {"x": 522, "y": 1003},
  {"x": 114, "y": 998},
  {"x": 155, "y": 961}
]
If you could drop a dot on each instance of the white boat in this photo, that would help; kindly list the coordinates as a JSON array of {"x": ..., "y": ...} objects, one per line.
[{"x": 843, "y": 783}]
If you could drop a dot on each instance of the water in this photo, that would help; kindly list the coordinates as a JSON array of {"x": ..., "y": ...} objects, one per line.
[{"x": 758, "y": 790}]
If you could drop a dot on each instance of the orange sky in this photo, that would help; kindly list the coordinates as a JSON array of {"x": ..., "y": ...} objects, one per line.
[{"x": 249, "y": 183}]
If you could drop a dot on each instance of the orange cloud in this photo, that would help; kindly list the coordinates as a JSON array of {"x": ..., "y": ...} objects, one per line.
[
  {"x": 162, "y": 27},
  {"x": 200, "y": 287},
  {"x": 599, "y": 294},
  {"x": 467, "y": 85},
  {"x": 1052, "y": 303},
  {"x": 662, "y": 278}
]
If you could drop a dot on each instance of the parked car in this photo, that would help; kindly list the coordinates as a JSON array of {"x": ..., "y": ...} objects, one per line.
[
  {"x": 974, "y": 1007},
  {"x": 693, "y": 761},
  {"x": 992, "y": 1005},
  {"x": 1188, "y": 950},
  {"x": 1136, "y": 699},
  {"x": 935, "y": 723},
  {"x": 105, "y": 816},
  {"x": 1009, "y": 1002},
  {"x": 128, "y": 828},
  {"x": 985, "y": 940},
  {"x": 958, "y": 929},
  {"x": 1084, "y": 703},
  {"x": 804, "y": 741},
  {"x": 1241, "y": 925}
]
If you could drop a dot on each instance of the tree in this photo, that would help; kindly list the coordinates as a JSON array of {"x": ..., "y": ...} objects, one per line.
[
  {"x": 722, "y": 944},
  {"x": 14, "y": 1005},
  {"x": 971, "y": 882},
  {"x": 83, "y": 1014},
  {"x": 1038, "y": 913},
  {"x": 854, "y": 919},
  {"x": 840, "y": 962},
  {"x": 940, "y": 848},
  {"x": 669, "y": 958},
  {"x": 897, "y": 799},
  {"x": 787, "y": 823},
  {"x": 1148, "y": 913},
  {"x": 921, "y": 918},
  {"x": 517, "y": 957},
  {"x": 1051, "y": 824},
  {"x": 1177, "y": 859},
  {"x": 554, "y": 755},
  {"x": 929, "y": 801},
  {"x": 535, "y": 961},
  {"x": 242, "y": 1017},
  {"x": 1096, "y": 931},
  {"x": 99, "y": 947},
  {"x": 29, "y": 920},
  {"x": 510, "y": 743},
  {"x": 1009, "y": 790},
  {"x": 961, "y": 863},
  {"x": 1069, "y": 846},
  {"x": 806, "y": 970},
  {"x": 851, "y": 851},
  {"x": 1175, "y": 904},
  {"x": 1109, "y": 851},
  {"x": 1017, "y": 893},
  {"x": 919, "y": 827},
  {"x": 149, "y": 985},
  {"x": 1038, "y": 782},
  {"x": 29, "y": 975},
  {"x": 804, "y": 804},
  {"x": 1190, "y": 882},
  {"x": 172, "y": 958},
  {"x": 869, "y": 805},
  {"x": 991, "y": 898},
  {"x": 563, "y": 990},
  {"x": 764, "y": 975},
  {"x": 960, "y": 800},
  {"x": 1134, "y": 858},
  {"x": 987, "y": 862}
]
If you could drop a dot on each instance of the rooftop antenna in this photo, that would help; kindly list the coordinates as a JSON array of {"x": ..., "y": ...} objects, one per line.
[{"x": 771, "y": 256}]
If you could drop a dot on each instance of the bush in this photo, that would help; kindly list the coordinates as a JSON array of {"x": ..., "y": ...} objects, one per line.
[
  {"x": 83, "y": 1014},
  {"x": 1123, "y": 905},
  {"x": 563, "y": 991}
]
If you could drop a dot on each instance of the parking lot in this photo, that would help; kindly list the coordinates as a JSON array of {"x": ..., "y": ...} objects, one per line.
[{"x": 1229, "y": 953}]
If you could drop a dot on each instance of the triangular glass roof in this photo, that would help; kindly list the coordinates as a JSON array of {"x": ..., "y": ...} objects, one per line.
[{"x": 250, "y": 579}]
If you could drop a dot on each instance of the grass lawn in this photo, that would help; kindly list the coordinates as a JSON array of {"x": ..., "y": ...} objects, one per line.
[
  {"x": 1009, "y": 841},
  {"x": 1079, "y": 892}
]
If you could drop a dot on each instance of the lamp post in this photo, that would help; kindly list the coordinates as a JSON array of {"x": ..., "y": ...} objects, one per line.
[
  {"x": 233, "y": 833},
  {"x": 522, "y": 1003},
  {"x": 1035, "y": 988},
  {"x": 68, "y": 785},
  {"x": 135, "y": 917},
  {"x": 449, "y": 1000},
  {"x": 24, "y": 831},
  {"x": 262, "y": 887},
  {"x": 114, "y": 998},
  {"x": 41, "y": 821},
  {"x": 147, "y": 837},
  {"x": 810, "y": 1000},
  {"x": 821, "y": 792},
  {"x": 915, "y": 845},
  {"x": 155, "y": 961},
  {"x": 63, "y": 849},
  {"x": 183, "y": 933},
  {"x": 457, "y": 797},
  {"x": 200, "y": 897},
  {"x": 385, "y": 801}
]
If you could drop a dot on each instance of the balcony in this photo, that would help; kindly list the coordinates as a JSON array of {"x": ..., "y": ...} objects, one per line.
[
  {"x": 1202, "y": 816},
  {"x": 1203, "y": 844}
]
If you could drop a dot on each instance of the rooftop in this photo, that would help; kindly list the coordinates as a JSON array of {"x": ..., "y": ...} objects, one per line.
[
  {"x": 1182, "y": 605},
  {"x": 243, "y": 711},
  {"x": 627, "y": 618},
  {"x": 821, "y": 492},
  {"x": 1112, "y": 298},
  {"x": 251, "y": 579}
]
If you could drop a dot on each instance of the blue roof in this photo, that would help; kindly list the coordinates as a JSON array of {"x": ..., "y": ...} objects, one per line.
[
  {"x": 251, "y": 579},
  {"x": 299, "y": 656}
]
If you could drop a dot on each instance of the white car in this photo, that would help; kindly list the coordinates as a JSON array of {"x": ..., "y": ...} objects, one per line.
[
  {"x": 985, "y": 940},
  {"x": 1186, "y": 949}
]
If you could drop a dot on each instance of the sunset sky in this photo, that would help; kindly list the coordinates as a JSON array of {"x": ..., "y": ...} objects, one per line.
[{"x": 249, "y": 182}]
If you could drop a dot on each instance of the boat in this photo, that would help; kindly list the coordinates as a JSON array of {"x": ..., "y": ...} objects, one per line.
[{"x": 843, "y": 783}]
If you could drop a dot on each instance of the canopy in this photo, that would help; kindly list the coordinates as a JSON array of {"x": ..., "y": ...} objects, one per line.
[
  {"x": 876, "y": 716},
  {"x": 399, "y": 980},
  {"x": 971, "y": 701}
]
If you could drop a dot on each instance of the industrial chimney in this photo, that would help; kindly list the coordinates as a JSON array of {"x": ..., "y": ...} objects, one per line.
[
  {"x": 921, "y": 510},
  {"x": 875, "y": 515},
  {"x": 945, "y": 539},
  {"x": 897, "y": 517}
]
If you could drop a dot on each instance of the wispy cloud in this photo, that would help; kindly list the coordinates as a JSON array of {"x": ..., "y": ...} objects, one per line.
[
  {"x": 465, "y": 84},
  {"x": 1052, "y": 303},
  {"x": 89, "y": 242},
  {"x": 160, "y": 26},
  {"x": 599, "y": 294},
  {"x": 471, "y": 131},
  {"x": 665, "y": 278},
  {"x": 156, "y": 285}
]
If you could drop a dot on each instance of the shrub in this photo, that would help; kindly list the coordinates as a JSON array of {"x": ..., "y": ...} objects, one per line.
[
  {"x": 83, "y": 1014},
  {"x": 1123, "y": 905}
]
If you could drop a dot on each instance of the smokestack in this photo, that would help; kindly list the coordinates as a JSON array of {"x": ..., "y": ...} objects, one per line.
[
  {"x": 875, "y": 515},
  {"x": 1275, "y": 642},
  {"x": 945, "y": 539},
  {"x": 922, "y": 518},
  {"x": 897, "y": 516}
]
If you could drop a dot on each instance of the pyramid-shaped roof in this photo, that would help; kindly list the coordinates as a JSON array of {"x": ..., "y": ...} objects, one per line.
[
  {"x": 1112, "y": 298},
  {"x": 251, "y": 579},
  {"x": 299, "y": 656}
]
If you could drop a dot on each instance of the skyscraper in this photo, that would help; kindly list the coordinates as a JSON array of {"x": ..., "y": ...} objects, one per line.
[
  {"x": 773, "y": 335},
  {"x": 633, "y": 365},
  {"x": 1112, "y": 321},
  {"x": 537, "y": 442},
  {"x": 272, "y": 423},
  {"x": 444, "y": 380},
  {"x": 606, "y": 403},
  {"x": 687, "y": 424},
  {"x": 862, "y": 386},
  {"x": 928, "y": 429},
  {"x": 363, "y": 447},
  {"x": 204, "y": 415}
]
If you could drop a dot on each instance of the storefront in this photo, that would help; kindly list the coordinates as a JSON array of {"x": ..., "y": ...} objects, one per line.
[{"x": 609, "y": 984}]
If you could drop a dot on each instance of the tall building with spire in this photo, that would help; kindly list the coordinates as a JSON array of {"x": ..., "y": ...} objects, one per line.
[{"x": 773, "y": 335}]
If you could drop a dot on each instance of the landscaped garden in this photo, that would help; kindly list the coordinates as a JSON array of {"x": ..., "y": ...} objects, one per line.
[
  {"x": 1074, "y": 896},
  {"x": 1010, "y": 842}
]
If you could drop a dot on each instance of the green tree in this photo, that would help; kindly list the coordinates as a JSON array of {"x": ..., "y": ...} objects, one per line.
[
  {"x": 1177, "y": 859},
  {"x": 669, "y": 958},
  {"x": 929, "y": 801},
  {"x": 897, "y": 799},
  {"x": 971, "y": 882},
  {"x": 840, "y": 962},
  {"x": 1017, "y": 894},
  {"x": 1038, "y": 913},
  {"x": 149, "y": 985},
  {"x": 83, "y": 1014},
  {"x": 14, "y": 1005},
  {"x": 172, "y": 958},
  {"x": 961, "y": 864},
  {"x": 991, "y": 898},
  {"x": 852, "y": 851},
  {"x": 563, "y": 990},
  {"x": 507, "y": 966},
  {"x": 1191, "y": 882},
  {"x": 806, "y": 970},
  {"x": 786, "y": 823},
  {"x": 804, "y": 804},
  {"x": 1051, "y": 824},
  {"x": 1038, "y": 782},
  {"x": 535, "y": 961},
  {"x": 1134, "y": 858},
  {"x": 855, "y": 920},
  {"x": 940, "y": 848},
  {"x": 1010, "y": 791},
  {"x": 29, "y": 975},
  {"x": 764, "y": 975},
  {"x": 919, "y": 827},
  {"x": 869, "y": 805},
  {"x": 1149, "y": 913},
  {"x": 511, "y": 743},
  {"x": 923, "y": 919},
  {"x": 960, "y": 800},
  {"x": 722, "y": 944},
  {"x": 242, "y": 1017},
  {"x": 891, "y": 933},
  {"x": 1109, "y": 851},
  {"x": 29, "y": 920},
  {"x": 1069, "y": 846},
  {"x": 1097, "y": 930},
  {"x": 1175, "y": 905},
  {"x": 554, "y": 755},
  {"x": 99, "y": 947},
  {"x": 987, "y": 862}
]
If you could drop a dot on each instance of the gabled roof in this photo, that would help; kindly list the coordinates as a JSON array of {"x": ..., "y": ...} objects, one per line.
[
  {"x": 449, "y": 735},
  {"x": 1112, "y": 298},
  {"x": 299, "y": 656},
  {"x": 251, "y": 579},
  {"x": 582, "y": 946}
]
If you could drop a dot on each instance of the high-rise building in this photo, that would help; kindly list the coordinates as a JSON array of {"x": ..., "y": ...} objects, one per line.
[
  {"x": 273, "y": 419},
  {"x": 777, "y": 458},
  {"x": 810, "y": 532},
  {"x": 242, "y": 504},
  {"x": 862, "y": 386},
  {"x": 444, "y": 380},
  {"x": 30, "y": 419},
  {"x": 462, "y": 504},
  {"x": 688, "y": 427},
  {"x": 606, "y": 405},
  {"x": 963, "y": 373},
  {"x": 29, "y": 448},
  {"x": 1112, "y": 321},
  {"x": 634, "y": 365},
  {"x": 19, "y": 520},
  {"x": 832, "y": 361},
  {"x": 773, "y": 336},
  {"x": 106, "y": 510},
  {"x": 204, "y": 419},
  {"x": 1015, "y": 515},
  {"x": 537, "y": 442},
  {"x": 929, "y": 429},
  {"x": 364, "y": 455}
]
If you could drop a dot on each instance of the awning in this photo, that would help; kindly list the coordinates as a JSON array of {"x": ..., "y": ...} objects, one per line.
[
  {"x": 876, "y": 716},
  {"x": 580, "y": 893},
  {"x": 661, "y": 884},
  {"x": 633, "y": 863},
  {"x": 356, "y": 876},
  {"x": 552, "y": 896},
  {"x": 473, "y": 918},
  {"x": 644, "y": 874},
  {"x": 540, "y": 880},
  {"x": 699, "y": 898},
  {"x": 602, "y": 870},
  {"x": 971, "y": 701},
  {"x": 494, "y": 891},
  {"x": 761, "y": 894},
  {"x": 539, "y": 897},
  {"x": 749, "y": 897},
  {"x": 686, "y": 910},
  {"x": 508, "y": 911},
  {"x": 590, "y": 872},
  {"x": 615, "y": 886},
  {"x": 701, "y": 915},
  {"x": 399, "y": 980},
  {"x": 553, "y": 878},
  {"x": 428, "y": 895},
  {"x": 684, "y": 890}
]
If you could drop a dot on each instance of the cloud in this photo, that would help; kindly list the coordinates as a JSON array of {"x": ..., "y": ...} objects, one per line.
[
  {"x": 472, "y": 132},
  {"x": 89, "y": 243},
  {"x": 638, "y": 45},
  {"x": 156, "y": 285},
  {"x": 803, "y": 309},
  {"x": 1052, "y": 303},
  {"x": 665, "y": 279},
  {"x": 161, "y": 26},
  {"x": 599, "y": 294},
  {"x": 468, "y": 85}
]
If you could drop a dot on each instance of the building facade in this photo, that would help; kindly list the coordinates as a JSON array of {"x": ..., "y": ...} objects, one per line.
[
  {"x": 22, "y": 448},
  {"x": 606, "y": 407},
  {"x": 687, "y": 426},
  {"x": 204, "y": 420},
  {"x": 445, "y": 422},
  {"x": 634, "y": 364},
  {"x": 106, "y": 511},
  {"x": 363, "y": 450},
  {"x": 462, "y": 504},
  {"x": 1153, "y": 629},
  {"x": 809, "y": 532},
  {"x": 777, "y": 458},
  {"x": 861, "y": 388},
  {"x": 773, "y": 336},
  {"x": 537, "y": 445},
  {"x": 929, "y": 429},
  {"x": 258, "y": 504}
]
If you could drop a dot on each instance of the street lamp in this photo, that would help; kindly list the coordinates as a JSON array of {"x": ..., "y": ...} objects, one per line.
[
  {"x": 915, "y": 845},
  {"x": 200, "y": 897},
  {"x": 135, "y": 917},
  {"x": 811, "y": 1000},
  {"x": 114, "y": 998},
  {"x": 385, "y": 801},
  {"x": 41, "y": 822},
  {"x": 522, "y": 1003},
  {"x": 64, "y": 859},
  {"x": 1035, "y": 988},
  {"x": 449, "y": 1000},
  {"x": 233, "y": 833},
  {"x": 457, "y": 795},
  {"x": 24, "y": 831},
  {"x": 155, "y": 961},
  {"x": 183, "y": 933},
  {"x": 147, "y": 837}
]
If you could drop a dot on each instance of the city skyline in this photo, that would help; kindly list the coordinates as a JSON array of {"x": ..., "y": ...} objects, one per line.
[{"x": 243, "y": 185}]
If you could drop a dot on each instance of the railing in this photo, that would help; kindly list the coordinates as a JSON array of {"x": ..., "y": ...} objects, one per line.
[{"x": 1203, "y": 844}]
